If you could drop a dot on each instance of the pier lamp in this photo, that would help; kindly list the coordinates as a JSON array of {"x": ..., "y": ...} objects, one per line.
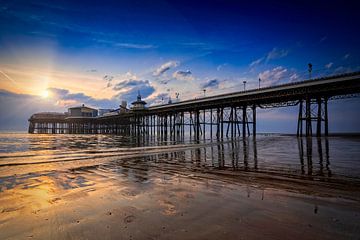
[
  {"x": 244, "y": 85},
  {"x": 259, "y": 82},
  {"x": 204, "y": 92},
  {"x": 310, "y": 69}
]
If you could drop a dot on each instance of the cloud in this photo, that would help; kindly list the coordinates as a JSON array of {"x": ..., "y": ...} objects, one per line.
[
  {"x": 17, "y": 109},
  {"x": 108, "y": 78},
  {"x": 129, "y": 84},
  {"x": 273, "y": 76},
  {"x": 294, "y": 77},
  {"x": 158, "y": 99},
  {"x": 8, "y": 77},
  {"x": 276, "y": 53},
  {"x": 323, "y": 39},
  {"x": 131, "y": 94},
  {"x": 183, "y": 75},
  {"x": 134, "y": 45},
  {"x": 346, "y": 56},
  {"x": 165, "y": 67},
  {"x": 329, "y": 65},
  {"x": 128, "y": 89},
  {"x": 91, "y": 70},
  {"x": 126, "y": 45},
  {"x": 256, "y": 62},
  {"x": 213, "y": 84},
  {"x": 221, "y": 66},
  {"x": 64, "y": 98},
  {"x": 165, "y": 81}
]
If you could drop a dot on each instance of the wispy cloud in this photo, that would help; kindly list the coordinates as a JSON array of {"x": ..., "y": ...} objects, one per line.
[
  {"x": 323, "y": 39},
  {"x": 165, "y": 67},
  {"x": 108, "y": 78},
  {"x": 183, "y": 75},
  {"x": 256, "y": 62},
  {"x": 158, "y": 99},
  {"x": 8, "y": 77},
  {"x": 213, "y": 84},
  {"x": 346, "y": 56},
  {"x": 294, "y": 77},
  {"x": 273, "y": 76},
  {"x": 276, "y": 53},
  {"x": 221, "y": 66},
  {"x": 129, "y": 84},
  {"x": 329, "y": 65},
  {"x": 134, "y": 45}
]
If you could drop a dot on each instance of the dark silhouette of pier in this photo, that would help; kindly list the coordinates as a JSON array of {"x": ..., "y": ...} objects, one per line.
[{"x": 225, "y": 115}]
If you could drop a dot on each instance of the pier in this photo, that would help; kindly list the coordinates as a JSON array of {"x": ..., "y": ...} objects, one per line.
[{"x": 225, "y": 115}]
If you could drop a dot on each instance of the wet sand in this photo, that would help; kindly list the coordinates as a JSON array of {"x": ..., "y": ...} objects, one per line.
[{"x": 177, "y": 192}]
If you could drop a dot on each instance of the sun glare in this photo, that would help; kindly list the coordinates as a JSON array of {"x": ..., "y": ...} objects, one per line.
[{"x": 45, "y": 94}]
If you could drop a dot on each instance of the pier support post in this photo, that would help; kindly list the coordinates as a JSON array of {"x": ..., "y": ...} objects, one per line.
[
  {"x": 197, "y": 122},
  {"x": 244, "y": 121},
  {"x": 300, "y": 119},
  {"x": 319, "y": 118},
  {"x": 313, "y": 113},
  {"x": 254, "y": 120},
  {"x": 326, "y": 120},
  {"x": 308, "y": 117}
]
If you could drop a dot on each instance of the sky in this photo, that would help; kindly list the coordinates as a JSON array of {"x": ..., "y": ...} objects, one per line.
[{"x": 57, "y": 54}]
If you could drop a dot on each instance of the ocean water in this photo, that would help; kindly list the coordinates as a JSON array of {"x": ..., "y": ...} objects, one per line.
[
  {"x": 322, "y": 159},
  {"x": 61, "y": 186}
]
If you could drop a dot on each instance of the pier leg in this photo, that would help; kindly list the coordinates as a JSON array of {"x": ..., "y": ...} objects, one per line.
[
  {"x": 244, "y": 121},
  {"x": 197, "y": 122},
  {"x": 319, "y": 118},
  {"x": 254, "y": 120},
  {"x": 211, "y": 124},
  {"x": 222, "y": 123},
  {"x": 326, "y": 117},
  {"x": 308, "y": 117},
  {"x": 299, "y": 126}
]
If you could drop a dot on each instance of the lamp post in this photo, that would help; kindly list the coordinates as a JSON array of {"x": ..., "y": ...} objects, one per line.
[
  {"x": 204, "y": 92},
  {"x": 310, "y": 69},
  {"x": 244, "y": 85},
  {"x": 259, "y": 82}
]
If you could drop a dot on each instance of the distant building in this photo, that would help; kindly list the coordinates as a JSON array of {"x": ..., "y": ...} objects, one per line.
[
  {"x": 138, "y": 104},
  {"x": 83, "y": 111}
]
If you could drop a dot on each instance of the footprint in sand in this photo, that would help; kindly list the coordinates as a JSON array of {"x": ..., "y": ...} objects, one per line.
[{"x": 129, "y": 219}]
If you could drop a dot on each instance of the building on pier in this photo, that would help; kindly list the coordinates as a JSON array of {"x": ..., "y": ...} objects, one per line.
[
  {"x": 138, "y": 104},
  {"x": 83, "y": 111}
]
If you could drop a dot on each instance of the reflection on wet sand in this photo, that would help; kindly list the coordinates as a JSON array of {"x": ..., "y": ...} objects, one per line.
[{"x": 271, "y": 188}]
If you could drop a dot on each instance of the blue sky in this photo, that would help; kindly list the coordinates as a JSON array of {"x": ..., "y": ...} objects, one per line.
[{"x": 65, "y": 53}]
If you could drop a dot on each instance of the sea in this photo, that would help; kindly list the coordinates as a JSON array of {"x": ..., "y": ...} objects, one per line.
[{"x": 274, "y": 186}]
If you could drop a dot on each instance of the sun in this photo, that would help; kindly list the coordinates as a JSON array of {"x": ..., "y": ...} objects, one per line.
[{"x": 45, "y": 94}]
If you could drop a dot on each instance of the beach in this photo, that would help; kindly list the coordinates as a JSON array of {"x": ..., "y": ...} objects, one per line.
[{"x": 110, "y": 187}]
